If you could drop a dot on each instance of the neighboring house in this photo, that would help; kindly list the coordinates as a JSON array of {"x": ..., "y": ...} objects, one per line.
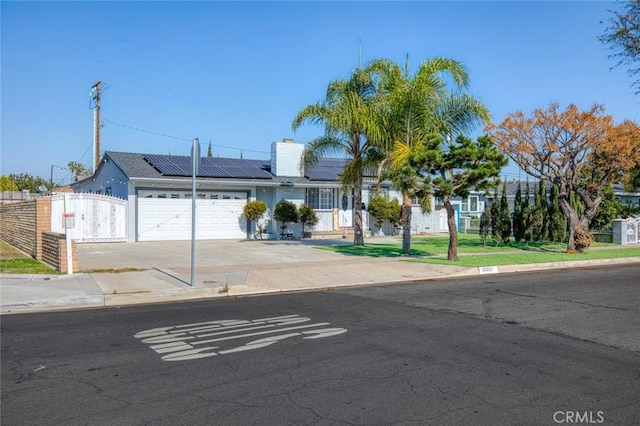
[
  {"x": 158, "y": 190},
  {"x": 627, "y": 197}
]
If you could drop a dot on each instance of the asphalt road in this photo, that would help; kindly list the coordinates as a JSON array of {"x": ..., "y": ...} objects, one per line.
[{"x": 546, "y": 348}]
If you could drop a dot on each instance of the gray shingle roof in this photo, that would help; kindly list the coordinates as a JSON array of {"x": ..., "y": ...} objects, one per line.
[{"x": 134, "y": 165}]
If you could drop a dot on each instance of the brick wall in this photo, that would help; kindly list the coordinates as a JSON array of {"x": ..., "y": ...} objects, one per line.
[
  {"x": 27, "y": 225},
  {"x": 55, "y": 251},
  {"x": 18, "y": 225}
]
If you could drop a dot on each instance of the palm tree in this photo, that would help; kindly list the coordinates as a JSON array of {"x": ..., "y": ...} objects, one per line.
[
  {"x": 421, "y": 111},
  {"x": 352, "y": 128}
]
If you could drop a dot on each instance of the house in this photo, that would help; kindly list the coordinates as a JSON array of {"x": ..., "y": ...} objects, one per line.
[{"x": 158, "y": 191}]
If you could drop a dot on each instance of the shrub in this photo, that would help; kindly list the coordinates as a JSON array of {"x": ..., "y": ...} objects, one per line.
[
  {"x": 253, "y": 211},
  {"x": 382, "y": 208},
  {"x": 285, "y": 212},
  {"x": 308, "y": 216}
]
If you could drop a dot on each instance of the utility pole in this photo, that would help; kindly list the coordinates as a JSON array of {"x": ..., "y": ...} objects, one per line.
[{"x": 96, "y": 91}]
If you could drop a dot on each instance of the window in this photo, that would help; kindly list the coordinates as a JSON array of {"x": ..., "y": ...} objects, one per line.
[
  {"x": 162, "y": 195},
  {"x": 174, "y": 195},
  {"x": 107, "y": 190},
  {"x": 470, "y": 204},
  {"x": 320, "y": 198}
]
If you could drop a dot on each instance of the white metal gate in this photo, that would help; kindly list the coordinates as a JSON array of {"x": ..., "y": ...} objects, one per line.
[
  {"x": 90, "y": 217},
  {"x": 632, "y": 231}
]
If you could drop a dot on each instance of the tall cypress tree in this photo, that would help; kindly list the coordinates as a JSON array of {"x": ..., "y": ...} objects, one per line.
[
  {"x": 537, "y": 214},
  {"x": 485, "y": 226},
  {"x": 576, "y": 203},
  {"x": 526, "y": 215},
  {"x": 557, "y": 230},
  {"x": 495, "y": 217},
  {"x": 544, "y": 207},
  {"x": 518, "y": 219},
  {"x": 505, "y": 216}
]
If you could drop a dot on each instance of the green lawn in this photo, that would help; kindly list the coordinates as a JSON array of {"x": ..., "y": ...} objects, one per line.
[
  {"x": 434, "y": 245},
  {"x": 25, "y": 265},
  {"x": 530, "y": 257},
  {"x": 471, "y": 253},
  {"x": 13, "y": 261}
]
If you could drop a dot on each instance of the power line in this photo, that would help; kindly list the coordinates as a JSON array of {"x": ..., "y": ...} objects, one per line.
[
  {"x": 178, "y": 138},
  {"x": 145, "y": 131}
]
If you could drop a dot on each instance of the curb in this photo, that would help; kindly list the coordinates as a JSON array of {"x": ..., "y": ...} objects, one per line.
[
  {"x": 72, "y": 302},
  {"x": 185, "y": 294}
]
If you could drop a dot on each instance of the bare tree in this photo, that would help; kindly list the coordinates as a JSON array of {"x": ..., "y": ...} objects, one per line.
[{"x": 579, "y": 151}]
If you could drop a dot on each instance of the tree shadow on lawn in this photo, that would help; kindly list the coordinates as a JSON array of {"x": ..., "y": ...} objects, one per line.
[
  {"x": 425, "y": 246},
  {"x": 441, "y": 245},
  {"x": 378, "y": 250}
]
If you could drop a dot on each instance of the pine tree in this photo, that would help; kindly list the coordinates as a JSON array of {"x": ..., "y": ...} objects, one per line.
[
  {"x": 504, "y": 217},
  {"x": 557, "y": 230},
  {"x": 518, "y": 219},
  {"x": 209, "y": 153}
]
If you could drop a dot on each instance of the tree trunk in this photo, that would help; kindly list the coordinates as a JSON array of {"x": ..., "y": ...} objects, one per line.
[
  {"x": 578, "y": 227},
  {"x": 358, "y": 235},
  {"x": 583, "y": 237},
  {"x": 572, "y": 218},
  {"x": 406, "y": 224},
  {"x": 452, "y": 253}
]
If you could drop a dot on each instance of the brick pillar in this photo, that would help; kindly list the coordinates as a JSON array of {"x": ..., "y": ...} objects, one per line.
[
  {"x": 43, "y": 222},
  {"x": 62, "y": 256}
]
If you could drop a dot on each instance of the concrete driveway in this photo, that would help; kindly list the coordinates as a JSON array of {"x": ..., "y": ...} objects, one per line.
[{"x": 209, "y": 253}]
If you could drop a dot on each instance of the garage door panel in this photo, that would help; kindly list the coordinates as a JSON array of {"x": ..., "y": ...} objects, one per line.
[{"x": 170, "y": 219}]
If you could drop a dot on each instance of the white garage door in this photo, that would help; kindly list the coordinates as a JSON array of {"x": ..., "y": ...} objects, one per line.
[{"x": 166, "y": 215}]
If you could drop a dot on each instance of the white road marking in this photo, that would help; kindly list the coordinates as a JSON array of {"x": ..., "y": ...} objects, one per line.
[{"x": 178, "y": 343}]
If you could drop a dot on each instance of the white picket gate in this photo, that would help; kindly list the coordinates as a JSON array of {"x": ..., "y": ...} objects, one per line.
[
  {"x": 89, "y": 217},
  {"x": 626, "y": 231},
  {"x": 632, "y": 231}
]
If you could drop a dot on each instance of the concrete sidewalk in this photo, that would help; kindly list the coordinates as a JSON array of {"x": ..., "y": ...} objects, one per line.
[{"x": 223, "y": 268}]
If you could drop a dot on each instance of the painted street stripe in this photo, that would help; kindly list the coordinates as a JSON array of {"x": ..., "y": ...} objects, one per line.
[
  {"x": 259, "y": 333},
  {"x": 183, "y": 342}
]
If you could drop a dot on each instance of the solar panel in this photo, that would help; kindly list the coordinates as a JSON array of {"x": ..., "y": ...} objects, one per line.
[
  {"x": 326, "y": 169},
  {"x": 180, "y": 165}
]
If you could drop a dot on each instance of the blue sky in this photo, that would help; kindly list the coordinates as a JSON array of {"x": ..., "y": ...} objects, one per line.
[{"x": 236, "y": 73}]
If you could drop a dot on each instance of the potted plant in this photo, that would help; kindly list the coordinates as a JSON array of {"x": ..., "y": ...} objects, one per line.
[
  {"x": 308, "y": 216},
  {"x": 285, "y": 212},
  {"x": 253, "y": 211}
]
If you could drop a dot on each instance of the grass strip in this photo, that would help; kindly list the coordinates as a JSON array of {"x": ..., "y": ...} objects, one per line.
[
  {"x": 529, "y": 258},
  {"x": 25, "y": 266}
]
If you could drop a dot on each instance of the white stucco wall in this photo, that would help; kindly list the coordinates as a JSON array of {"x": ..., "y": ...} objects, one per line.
[{"x": 286, "y": 158}]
